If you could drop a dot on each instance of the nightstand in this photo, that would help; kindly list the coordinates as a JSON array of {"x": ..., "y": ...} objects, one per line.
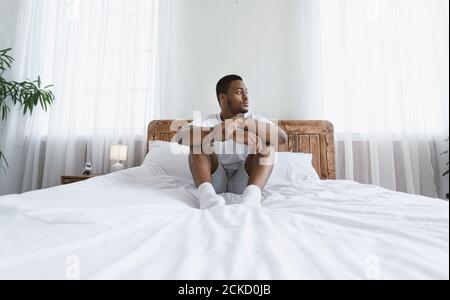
[{"x": 72, "y": 179}]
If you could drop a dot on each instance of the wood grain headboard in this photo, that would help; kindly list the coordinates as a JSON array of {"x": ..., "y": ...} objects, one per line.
[{"x": 315, "y": 137}]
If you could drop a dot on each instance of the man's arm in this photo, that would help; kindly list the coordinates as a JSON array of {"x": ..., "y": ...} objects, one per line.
[
  {"x": 252, "y": 133},
  {"x": 269, "y": 133},
  {"x": 271, "y": 129},
  {"x": 194, "y": 136}
]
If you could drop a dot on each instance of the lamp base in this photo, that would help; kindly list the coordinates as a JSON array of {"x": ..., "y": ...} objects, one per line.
[{"x": 117, "y": 167}]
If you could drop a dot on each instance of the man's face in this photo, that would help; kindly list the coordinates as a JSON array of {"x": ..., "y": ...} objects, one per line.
[{"x": 238, "y": 101}]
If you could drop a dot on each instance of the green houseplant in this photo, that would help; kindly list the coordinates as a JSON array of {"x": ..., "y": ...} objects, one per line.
[{"x": 26, "y": 94}]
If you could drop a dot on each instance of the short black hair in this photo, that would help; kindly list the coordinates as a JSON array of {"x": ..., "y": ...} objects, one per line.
[{"x": 224, "y": 84}]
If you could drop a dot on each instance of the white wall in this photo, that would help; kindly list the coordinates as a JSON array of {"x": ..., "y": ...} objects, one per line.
[
  {"x": 205, "y": 46},
  {"x": 8, "y": 20}
]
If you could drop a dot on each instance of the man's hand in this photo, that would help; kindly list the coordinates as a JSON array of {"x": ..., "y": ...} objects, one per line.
[
  {"x": 250, "y": 139},
  {"x": 230, "y": 126},
  {"x": 240, "y": 122},
  {"x": 228, "y": 129},
  {"x": 266, "y": 132}
]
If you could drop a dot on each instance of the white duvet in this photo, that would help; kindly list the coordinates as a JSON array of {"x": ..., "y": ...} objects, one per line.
[{"x": 138, "y": 224}]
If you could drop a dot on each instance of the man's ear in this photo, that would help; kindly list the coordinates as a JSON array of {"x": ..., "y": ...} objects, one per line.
[{"x": 223, "y": 100}]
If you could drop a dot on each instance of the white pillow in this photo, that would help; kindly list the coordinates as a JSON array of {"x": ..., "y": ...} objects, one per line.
[
  {"x": 291, "y": 166},
  {"x": 173, "y": 160}
]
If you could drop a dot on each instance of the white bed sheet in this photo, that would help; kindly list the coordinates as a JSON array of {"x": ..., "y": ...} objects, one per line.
[{"x": 139, "y": 224}]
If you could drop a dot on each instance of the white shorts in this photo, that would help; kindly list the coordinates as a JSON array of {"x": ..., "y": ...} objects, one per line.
[{"x": 230, "y": 181}]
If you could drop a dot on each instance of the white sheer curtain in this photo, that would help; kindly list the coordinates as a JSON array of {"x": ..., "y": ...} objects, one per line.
[
  {"x": 102, "y": 58},
  {"x": 378, "y": 69}
]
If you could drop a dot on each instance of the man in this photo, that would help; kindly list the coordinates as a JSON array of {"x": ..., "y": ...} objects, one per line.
[{"x": 232, "y": 151}]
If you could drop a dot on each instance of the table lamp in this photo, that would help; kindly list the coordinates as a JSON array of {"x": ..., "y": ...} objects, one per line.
[{"x": 118, "y": 154}]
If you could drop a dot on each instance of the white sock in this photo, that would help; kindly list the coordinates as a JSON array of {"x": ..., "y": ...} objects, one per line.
[
  {"x": 252, "y": 196},
  {"x": 207, "y": 196}
]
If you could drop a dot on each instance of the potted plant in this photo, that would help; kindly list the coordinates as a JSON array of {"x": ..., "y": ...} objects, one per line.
[{"x": 27, "y": 94}]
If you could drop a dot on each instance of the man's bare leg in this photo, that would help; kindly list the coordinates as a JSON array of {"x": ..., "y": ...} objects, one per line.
[
  {"x": 259, "y": 167},
  {"x": 202, "y": 167}
]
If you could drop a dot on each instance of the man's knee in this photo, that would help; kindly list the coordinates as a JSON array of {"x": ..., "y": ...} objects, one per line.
[
  {"x": 267, "y": 151},
  {"x": 265, "y": 158},
  {"x": 200, "y": 159}
]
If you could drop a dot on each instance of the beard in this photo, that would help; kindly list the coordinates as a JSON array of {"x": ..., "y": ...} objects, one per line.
[
  {"x": 241, "y": 109},
  {"x": 244, "y": 110}
]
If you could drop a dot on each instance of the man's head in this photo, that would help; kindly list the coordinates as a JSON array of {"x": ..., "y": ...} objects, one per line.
[{"x": 232, "y": 95}]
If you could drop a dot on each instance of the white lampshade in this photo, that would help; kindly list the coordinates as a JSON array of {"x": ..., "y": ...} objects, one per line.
[{"x": 119, "y": 152}]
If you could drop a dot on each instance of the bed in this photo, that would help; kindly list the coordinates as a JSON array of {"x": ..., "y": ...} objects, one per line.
[{"x": 141, "y": 223}]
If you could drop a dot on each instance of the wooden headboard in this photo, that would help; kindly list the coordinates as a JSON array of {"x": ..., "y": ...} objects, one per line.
[{"x": 316, "y": 137}]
